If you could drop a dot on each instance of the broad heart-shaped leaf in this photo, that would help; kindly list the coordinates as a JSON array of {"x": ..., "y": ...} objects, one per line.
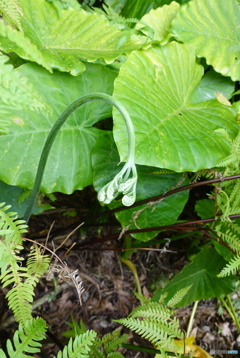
[
  {"x": 105, "y": 161},
  {"x": 156, "y": 86},
  {"x": 57, "y": 38},
  {"x": 201, "y": 273},
  {"x": 212, "y": 27},
  {"x": 159, "y": 21},
  {"x": 69, "y": 164}
]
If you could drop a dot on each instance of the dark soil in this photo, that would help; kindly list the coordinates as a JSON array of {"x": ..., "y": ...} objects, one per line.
[{"x": 108, "y": 284}]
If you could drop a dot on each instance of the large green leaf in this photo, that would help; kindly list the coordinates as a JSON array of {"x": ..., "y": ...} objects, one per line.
[
  {"x": 69, "y": 164},
  {"x": 156, "y": 86},
  {"x": 201, "y": 273},
  {"x": 212, "y": 27},
  {"x": 105, "y": 159},
  {"x": 57, "y": 38}
]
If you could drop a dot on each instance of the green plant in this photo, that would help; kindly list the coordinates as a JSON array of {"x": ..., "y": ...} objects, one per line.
[
  {"x": 20, "y": 297},
  {"x": 120, "y": 183},
  {"x": 156, "y": 325},
  {"x": 174, "y": 66},
  {"x": 82, "y": 343}
]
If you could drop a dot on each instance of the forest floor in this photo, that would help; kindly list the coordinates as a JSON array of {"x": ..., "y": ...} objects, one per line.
[{"x": 109, "y": 286}]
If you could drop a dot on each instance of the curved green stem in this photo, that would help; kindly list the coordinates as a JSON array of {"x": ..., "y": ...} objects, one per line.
[
  {"x": 190, "y": 324},
  {"x": 132, "y": 267},
  {"x": 53, "y": 133}
]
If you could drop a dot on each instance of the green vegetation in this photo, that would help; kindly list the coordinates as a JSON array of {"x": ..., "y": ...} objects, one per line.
[{"x": 171, "y": 69}]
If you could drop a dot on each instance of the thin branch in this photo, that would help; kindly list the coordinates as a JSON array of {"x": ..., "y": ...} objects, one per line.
[{"x": 169, "y": 193}]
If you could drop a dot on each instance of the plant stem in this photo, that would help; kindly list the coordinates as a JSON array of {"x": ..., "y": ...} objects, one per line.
[
  {"x": 236, "y": 319},
  {"x": 57, "y": 126},
  {"x": 230, "y": 309},
  {"x": 190, "y": 323},
  {"x": 171, "y": 192},
  {"x": 133, "y": 269}
]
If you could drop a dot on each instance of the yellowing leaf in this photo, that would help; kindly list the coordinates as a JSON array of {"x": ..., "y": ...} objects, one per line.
[{"x": 188, "y": 346}]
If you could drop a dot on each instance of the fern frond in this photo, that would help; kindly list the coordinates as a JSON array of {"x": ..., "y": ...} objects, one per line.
[
  {"x": 178, "y": 296},
  {"x": 231, "y": 267},
  {"x": 26, "y": 340},
  {"x": 152, "y": 310},
  {"x": 11, "y": 227},
  {"x": 16, "y": 89},
  {"x": 115, "y": 355},
  {"x": 19, "y": 299},
  {"x": 24, "y": 279},
  {"x": 155, "y": 324},
  {"x": 79, "y": 347},
  {"x": 37, "y": 264},
  {"x": 232, "y": 162},
  {"x": 96, "y": 349},
  {"x": 142, "y": 298},
  {"x": 11, "y": 12},
  {"x": 112, "y": 341},
  {"x": 76, "y": 329},
  {"x": 227, "y": 161},
  {"x": 156, "y": 332},
  {"x": 234, "y": 198},
  {"x": 229, "y": 232}
]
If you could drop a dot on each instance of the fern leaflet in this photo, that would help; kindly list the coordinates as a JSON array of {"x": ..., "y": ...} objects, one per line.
[
  {"x": 26, "y": 340},
  {"x": 24, "y": 279},
  {"x": 76, "y": 329},
  {"x": 115, "y": 355},
  {"x": 11, "y": 12},
  {"x": 15, "y": 89},
  {"x": 37, "y": 264},
  {"x": 80, "y": 347},
  {"x": 155, "y": 324},
  {"x": 112, "y": 341},
  {"x": 229, "y": 232},
  {"x": 178, "y": 296},
  {"x": 151, "y": 310},
  {"x": 231, "y": 267}
]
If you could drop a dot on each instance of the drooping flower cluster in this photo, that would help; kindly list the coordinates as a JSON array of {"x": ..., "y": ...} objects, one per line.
[{"x": 122, "y": 183}]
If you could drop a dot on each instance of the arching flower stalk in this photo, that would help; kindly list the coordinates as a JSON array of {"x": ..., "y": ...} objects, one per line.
[{"x": 121, "y": 184}]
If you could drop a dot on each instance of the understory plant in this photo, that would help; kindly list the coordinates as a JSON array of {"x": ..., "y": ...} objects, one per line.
[
  {"x": 159, "y": 325},
  {"x": 171, "y": 70}
]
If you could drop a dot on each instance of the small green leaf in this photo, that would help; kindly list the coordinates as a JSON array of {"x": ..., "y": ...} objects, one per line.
[{"x": 205, "y": 208}]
